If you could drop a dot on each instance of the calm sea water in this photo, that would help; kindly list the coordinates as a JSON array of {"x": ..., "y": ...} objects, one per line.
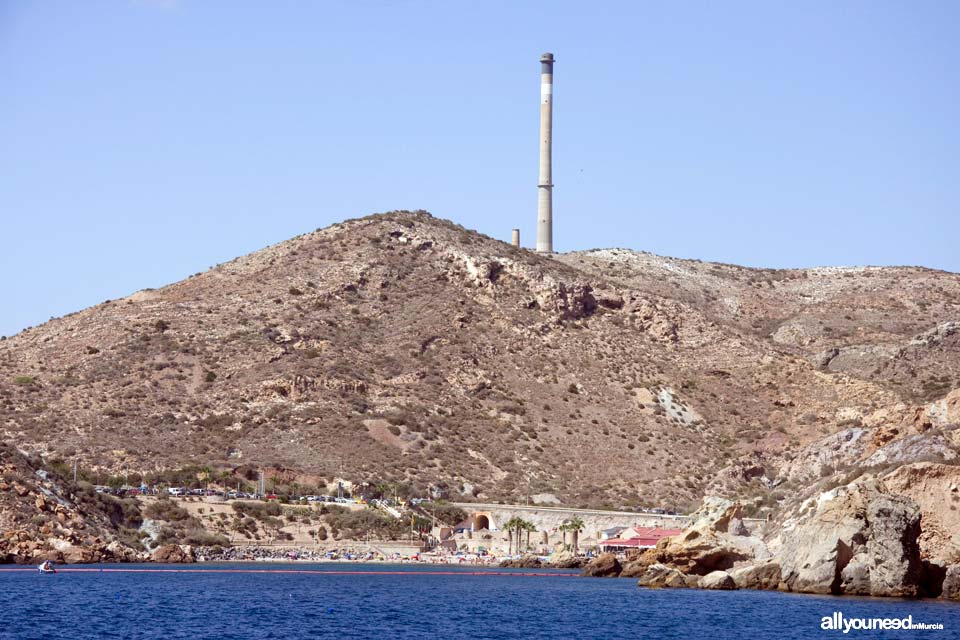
[{"x": 219, "y": 603}]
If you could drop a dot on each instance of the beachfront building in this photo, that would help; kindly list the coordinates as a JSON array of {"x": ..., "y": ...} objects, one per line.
[{"x": 635, "y": 538}]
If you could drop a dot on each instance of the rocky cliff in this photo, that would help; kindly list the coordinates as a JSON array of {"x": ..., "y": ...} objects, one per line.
[
  {"x": 856, "y": 539},
  {"x": 44, "y": 516}
]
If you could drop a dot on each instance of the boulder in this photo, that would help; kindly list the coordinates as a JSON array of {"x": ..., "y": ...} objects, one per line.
[
  {"x": 173, "y": 554},
  {"x": 566, "y": 560},
  {"x": 855, "y": 539},
  {"x": 605, "y": 565},
  {"x": 951, "y": 583},
  {"x": 717, "y": 580},
  {"x": 759, "y": 575},
  {"x": 659, "y": 576}
]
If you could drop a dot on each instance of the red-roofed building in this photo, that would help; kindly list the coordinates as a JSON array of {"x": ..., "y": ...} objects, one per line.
[{"x": 637, "y": 538}]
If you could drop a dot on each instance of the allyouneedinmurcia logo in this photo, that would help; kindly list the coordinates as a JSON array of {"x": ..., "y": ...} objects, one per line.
[{"x": 839, "y": 622}]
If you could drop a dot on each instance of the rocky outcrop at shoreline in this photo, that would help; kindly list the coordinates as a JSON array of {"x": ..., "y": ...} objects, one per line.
[
  {"x": 857, "y": 539},
  {"x": 43, "y": 517},
  {"x": 23, "y": 547},
  {"x": 523, "y": 562},
  {"x": 173, "y": 553},
  {"x": 561, "y": 560},
  {"x": 718, "y": 539},
  {"x": 606, "y": 565}
]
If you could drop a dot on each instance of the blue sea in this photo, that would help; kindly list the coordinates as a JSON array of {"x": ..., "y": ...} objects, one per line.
[{"x": 389, "y": 602}]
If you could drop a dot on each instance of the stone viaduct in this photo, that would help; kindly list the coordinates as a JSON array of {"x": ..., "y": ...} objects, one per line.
[{"x": 492, "y": 517}]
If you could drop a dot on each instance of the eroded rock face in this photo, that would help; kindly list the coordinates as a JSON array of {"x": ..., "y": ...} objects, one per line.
[
  {"x": 568, "y": 301},
  {"x": 43, "y": 518},
  {"x": 932, "y": 574},
  {"x": 951, "y": 583},
  {"x": 717, "y": 540},
  {"x": 856, "y": 539},
  {"x": 605, "y": 565},
  {"x": 837, "y": 449},
  {"x": 652, "y": 319},
  {"x": 936, "y": 490}
]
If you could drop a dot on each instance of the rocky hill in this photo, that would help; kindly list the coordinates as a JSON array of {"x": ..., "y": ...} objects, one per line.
[{"x": 402, "y": 348}]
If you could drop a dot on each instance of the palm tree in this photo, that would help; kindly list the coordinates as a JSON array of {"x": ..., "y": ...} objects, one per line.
[
  {"x": 529, "y": 527},
  {"x": 515, "y": 527},
  {"x": 510, "y": 526},
  {"x": 574, "y": 525},
  {"x": 521, "y": 526}
]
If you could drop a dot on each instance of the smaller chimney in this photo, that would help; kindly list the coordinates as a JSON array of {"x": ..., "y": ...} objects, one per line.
[{"x": 515, "y": 241}]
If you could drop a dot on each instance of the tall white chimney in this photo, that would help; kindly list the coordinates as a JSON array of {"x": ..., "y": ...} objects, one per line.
[{"x": 545, "y": 184}]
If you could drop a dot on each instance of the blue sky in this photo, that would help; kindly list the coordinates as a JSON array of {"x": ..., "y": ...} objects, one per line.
[{"x": 142, "y": 141}]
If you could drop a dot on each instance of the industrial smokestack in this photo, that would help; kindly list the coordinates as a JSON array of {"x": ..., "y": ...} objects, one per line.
[
  {"x": 545, "y": 185},
  {"x": 515, "y": 240}
]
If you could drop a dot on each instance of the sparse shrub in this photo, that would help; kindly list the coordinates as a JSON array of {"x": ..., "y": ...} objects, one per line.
[
  {"x": 166, "y": 509},
  {"x": 203, "y": 538},
  {"x": 260, "y": 511},
  {"x": 217, "y": 419}
]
